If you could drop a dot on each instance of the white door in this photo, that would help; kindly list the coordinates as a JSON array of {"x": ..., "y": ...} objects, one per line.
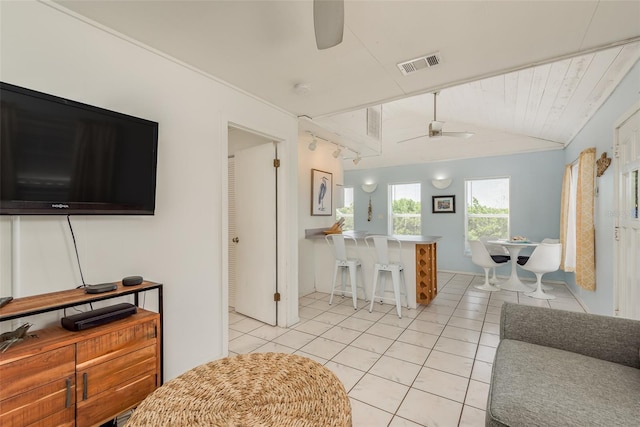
[
  {"x": 255, "y": 192},
  {"x": 233, "y": 256},
  {"x": 627, "y": 248}
]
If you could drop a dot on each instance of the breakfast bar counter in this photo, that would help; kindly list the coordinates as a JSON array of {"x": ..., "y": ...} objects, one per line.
[{"x": 418, "y": 256}]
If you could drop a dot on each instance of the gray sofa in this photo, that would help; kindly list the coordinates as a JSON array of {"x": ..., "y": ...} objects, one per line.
[{"x": 560, "y": 368}]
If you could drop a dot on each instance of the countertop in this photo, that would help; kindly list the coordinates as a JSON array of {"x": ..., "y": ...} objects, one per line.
[{"x": 317, "y": 233}]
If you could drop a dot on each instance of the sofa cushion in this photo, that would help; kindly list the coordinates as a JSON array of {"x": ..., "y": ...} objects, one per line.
[{"x": 533, "y": 385}]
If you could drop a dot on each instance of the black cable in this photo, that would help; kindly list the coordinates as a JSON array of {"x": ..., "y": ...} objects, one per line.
[{"x": 75, "y": 246}]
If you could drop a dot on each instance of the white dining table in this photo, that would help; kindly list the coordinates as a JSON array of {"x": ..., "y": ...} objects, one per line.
[{"x": 513, "y": 283}]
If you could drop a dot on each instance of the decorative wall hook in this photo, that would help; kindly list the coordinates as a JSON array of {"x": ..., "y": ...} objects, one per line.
[{"x": 602, "y": 163}]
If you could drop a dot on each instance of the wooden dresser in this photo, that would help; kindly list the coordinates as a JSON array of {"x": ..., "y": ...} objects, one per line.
[{"x": 85, "y": 378}]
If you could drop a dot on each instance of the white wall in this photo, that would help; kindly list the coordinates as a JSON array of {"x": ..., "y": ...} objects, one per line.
[
  {"x": 320, "y": 159},
  {"x": 536, "y": 184},
  {"x": 46, "y": 49},
  {"x": 598, "y": 132}
]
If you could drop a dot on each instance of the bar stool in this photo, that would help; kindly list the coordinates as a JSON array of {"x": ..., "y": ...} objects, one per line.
[
  {"x": 379, "y": 246},
  {"x": 338, "y": 247}
]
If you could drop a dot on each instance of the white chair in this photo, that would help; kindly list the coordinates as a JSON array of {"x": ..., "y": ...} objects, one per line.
[
  {"x": 522, "y": 260},
  {"x": 498, "y": 253},
  {"x": 387, "y": 252},
  {"x": 343, "y": 262},
  {"x": 480, "y": 256},
  {"x": 544, "y": 259}
]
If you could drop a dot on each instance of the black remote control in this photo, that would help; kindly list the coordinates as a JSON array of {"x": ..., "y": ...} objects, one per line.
[{"x": 5, "y": 300}]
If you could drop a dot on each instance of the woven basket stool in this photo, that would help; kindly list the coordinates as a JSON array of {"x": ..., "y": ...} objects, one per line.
[{"x": 258, "y": 389}]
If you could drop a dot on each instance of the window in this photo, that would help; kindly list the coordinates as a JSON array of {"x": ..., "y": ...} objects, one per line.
[
  {"x": 404, "y": 209},
  {"x": 346, "y": 211},
  {"x": 486, "y": 209}
]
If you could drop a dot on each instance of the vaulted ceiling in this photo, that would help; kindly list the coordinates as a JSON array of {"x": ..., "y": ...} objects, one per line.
[{"x": 522, "y": 75}]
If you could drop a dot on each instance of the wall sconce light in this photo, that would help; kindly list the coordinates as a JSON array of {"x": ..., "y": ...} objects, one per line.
[
  {"x": 369, "y": 188},
  {"x": 357, "y": 159},
  {"x": 441, "y": 184},
  {"x": 313, "y": 144},
  {"x": 336, "y": 153}
]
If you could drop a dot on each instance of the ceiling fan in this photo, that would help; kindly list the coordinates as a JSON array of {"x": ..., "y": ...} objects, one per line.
[
  {"x": 328, "y": 22},
  {"x": 435, "y": 128}
]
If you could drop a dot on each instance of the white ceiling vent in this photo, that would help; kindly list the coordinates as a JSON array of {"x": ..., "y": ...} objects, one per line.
[
  {"x": 373, "y": 121},
  {"x": 418, "y": 64}
]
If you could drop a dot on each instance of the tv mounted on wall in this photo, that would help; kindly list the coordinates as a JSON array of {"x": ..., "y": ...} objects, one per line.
[{"x": 60, "y": 157}]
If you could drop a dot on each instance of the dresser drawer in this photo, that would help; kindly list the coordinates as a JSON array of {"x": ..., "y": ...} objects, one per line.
[
  {"x": 111, "y": 374},
  {"x": 115, "y": 343},
  {"x": 126, "y": 396},
  {"x": 51, "y": 404},
  {"x": 34, "y": 371}
]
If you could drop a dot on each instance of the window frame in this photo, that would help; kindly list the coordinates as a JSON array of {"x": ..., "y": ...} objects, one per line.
[
  {"x": 339, "y": 215},
  {"x": 467, "y": 249},
  {"x": 390, "y": 214}
]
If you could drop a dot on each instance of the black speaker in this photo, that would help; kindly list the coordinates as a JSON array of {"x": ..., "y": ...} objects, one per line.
[
  {"x": 100, "y": 316},
  {"x": 132, "y": 280}
]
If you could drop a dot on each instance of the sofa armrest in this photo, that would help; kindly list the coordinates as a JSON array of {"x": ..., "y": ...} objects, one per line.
[{"x": 608, "y": 338}]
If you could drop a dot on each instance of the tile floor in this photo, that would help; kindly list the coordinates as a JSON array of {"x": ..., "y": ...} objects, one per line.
[{"x": 430, "y": 368}]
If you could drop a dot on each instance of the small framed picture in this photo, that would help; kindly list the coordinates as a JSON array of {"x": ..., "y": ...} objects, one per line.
[
  {"x": 444, "y": 204},
  {"x": 321, "y": 193}
]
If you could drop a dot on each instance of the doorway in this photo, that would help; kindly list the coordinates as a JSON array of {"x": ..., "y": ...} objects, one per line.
[
  {"x": 627, "y": 223},
  {"x": 252, "y": 218}
]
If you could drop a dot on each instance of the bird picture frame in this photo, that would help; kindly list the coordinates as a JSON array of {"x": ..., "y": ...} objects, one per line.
[{"x": 321, "y": 193}]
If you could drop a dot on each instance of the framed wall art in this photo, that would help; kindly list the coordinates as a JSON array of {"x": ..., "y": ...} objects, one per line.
[
  {"x": 444, "y": 204},
  {"x": 321, "y": 193}
]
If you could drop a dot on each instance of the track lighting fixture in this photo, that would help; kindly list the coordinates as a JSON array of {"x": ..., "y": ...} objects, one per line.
[
  {"x": 313, "y": 144},
  {"x": 336, "y": 153},
  {"x": 357, "y": 159}
]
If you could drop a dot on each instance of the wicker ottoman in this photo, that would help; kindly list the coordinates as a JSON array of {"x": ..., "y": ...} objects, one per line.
[{"x": 259, "y": 389}]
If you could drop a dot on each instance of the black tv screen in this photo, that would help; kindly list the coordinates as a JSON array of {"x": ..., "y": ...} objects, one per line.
[{"x": 60, "y": 157}]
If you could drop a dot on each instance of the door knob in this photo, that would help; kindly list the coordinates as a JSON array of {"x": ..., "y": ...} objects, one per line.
[{"x": 235, "y": 240}]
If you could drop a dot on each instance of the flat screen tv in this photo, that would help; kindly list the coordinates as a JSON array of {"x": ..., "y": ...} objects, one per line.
[{"x": 60, "y": 157}]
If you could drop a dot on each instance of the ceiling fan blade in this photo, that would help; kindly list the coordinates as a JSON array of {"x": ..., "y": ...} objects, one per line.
[
  {"x": 411, "y": 139},
  {"x": 458, "y": 134},
  {"x": 328, "y": 22}
]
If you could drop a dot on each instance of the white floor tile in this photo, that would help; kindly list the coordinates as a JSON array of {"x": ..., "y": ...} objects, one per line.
[
  {"x": 442, "y": 384},
  {"x": 477, "y": 395},
  {"x": 418, "y": 338},
  {"x": 294, "y": 339},
  {"x": 429, "y": 410},
  {"x": 457, "y": 365},
  {"x": 426, "y": 327},
  {"x": 368, "y": 389},
  {"x": 348, "y": 376},
  {"x": 481, "y": 371},
  {"x": 459, "y": 348},
  {"x": 357, "y": 324},
  {"x": 357, "y": 358},
  {"x": 363, "y": 415},
  {"x": 408, "y": 352},
  {"x": 472, "y": 417},
  {"x": 461, "y": 334},
  {"x": 245, "y": 344},
  {"x": 430, "y": 367},
  {"x": 372, "y": 343},
  {"x": 323, "y": 347},
  {"x": 395, "y": 370},
  {"x": 341, "y": 334},
  {"x": 313, "y": 327}
]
